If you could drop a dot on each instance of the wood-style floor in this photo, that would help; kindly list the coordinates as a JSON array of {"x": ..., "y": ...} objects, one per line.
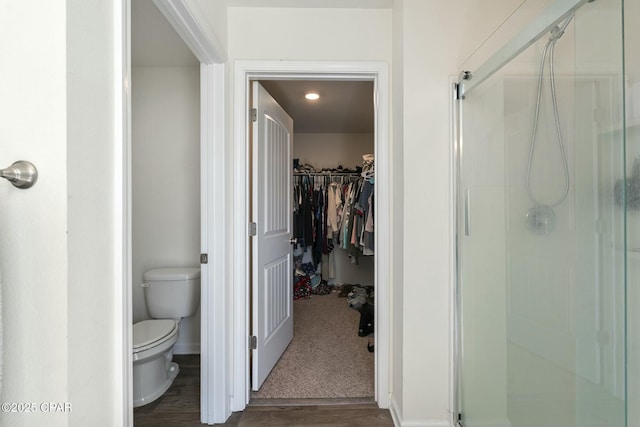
[{"x": 180, "y": 407}]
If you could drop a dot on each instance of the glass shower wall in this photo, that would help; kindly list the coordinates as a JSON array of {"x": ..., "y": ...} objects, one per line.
[
  {"x": 541, "y": 231},
  {"x": 601, "y": 398},
  {"x": 632, "y": 137}
]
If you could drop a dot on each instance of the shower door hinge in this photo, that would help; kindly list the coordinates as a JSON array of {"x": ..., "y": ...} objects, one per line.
[
  {"x": 456, "y": 91},
  {"x": 253, "y": 229},
  {"x": 204, "y": 258},
  {"x": 253, "y": 342},
  {"x": 254, "y": 114}
]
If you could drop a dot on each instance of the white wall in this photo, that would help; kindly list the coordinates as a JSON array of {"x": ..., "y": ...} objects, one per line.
[
  {"x": 397, "y": 195},
  {"x": 328, "y": 150},
  {"x": 166, "y": 180},
  {"x": 428, "y": 62},
  {"x": 95, "y": 157},
  {"x": 320, "y": 34}
]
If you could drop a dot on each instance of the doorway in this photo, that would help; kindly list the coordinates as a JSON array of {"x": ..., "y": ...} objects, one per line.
[
  {"x": 188, "y": 24},
  {"x": 245, "y": 72},
  {"x": 330, "y": 184},
  {"x": 165, "y": 207}
]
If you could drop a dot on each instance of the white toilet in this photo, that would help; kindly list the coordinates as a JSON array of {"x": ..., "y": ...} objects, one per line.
[{"x": 170, "y": 294}]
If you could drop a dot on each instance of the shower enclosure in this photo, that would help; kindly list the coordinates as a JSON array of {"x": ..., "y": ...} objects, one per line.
[{"x": 548, "y": 209}]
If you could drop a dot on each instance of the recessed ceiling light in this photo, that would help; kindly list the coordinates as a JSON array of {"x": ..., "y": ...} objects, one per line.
[{"x": 312, "y": 96}]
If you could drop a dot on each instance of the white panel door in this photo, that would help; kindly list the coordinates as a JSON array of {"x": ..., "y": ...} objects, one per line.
[{"x": 272, "y": 275}]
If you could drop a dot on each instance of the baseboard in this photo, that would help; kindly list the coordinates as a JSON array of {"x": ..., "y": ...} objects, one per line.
[
  {"x": 187, "y": 348},
  {"x": 399, "y": 422},
  {"x": 393, "y": 408},
  {"x": 425, "y": 423}
]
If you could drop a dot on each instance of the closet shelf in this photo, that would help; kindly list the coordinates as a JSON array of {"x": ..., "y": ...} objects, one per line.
[{"x": 326, "y": 174}]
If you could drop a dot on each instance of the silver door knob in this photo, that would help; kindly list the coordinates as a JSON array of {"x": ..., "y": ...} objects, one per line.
[
  {"x": 293, "y": 240},
  {"x": 21, "y": 174}
]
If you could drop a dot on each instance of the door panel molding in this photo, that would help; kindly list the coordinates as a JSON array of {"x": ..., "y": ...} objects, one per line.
[{"x": 271, "y": 252}]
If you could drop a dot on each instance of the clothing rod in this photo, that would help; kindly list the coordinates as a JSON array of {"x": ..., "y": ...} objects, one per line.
[
  {"x": 553, "y": 15},
  {"x": 326, "y": 174}
]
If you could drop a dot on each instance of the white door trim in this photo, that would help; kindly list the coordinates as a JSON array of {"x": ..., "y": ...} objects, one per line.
[
  {"x": 214, "y": 378},
  {"x": 244, "y": 71},
  {"x": 122, "y": 201},
  {"x": 191, "y": 24}
]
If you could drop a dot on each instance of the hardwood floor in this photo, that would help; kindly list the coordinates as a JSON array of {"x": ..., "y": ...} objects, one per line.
[
  {"x": 343, "y": 415},
  {"x": 180, "y": 407}
]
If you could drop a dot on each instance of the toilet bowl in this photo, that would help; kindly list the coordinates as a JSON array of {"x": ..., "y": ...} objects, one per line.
[
  {"x": 153, "y": 369},
  {"x": 170, "y": 294}
]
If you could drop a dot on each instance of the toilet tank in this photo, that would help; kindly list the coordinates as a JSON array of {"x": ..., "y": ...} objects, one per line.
[{"x": 171, "y": 293}]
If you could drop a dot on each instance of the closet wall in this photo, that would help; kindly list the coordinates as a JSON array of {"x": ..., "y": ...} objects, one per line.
[{"x": 328, "y": 150}]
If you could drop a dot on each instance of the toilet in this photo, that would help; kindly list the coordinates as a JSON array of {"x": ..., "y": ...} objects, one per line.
[{"x": 170, "y": 295}]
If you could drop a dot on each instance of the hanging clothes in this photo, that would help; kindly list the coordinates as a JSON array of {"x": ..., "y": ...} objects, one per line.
[
  {"x": 334, "y": 211},
  {"x": 357, "y": 231},
  {"x": 303, "y": 215}
]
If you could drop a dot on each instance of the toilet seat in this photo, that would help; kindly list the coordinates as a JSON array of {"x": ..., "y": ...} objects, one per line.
[{"x": 151, "y": 333}]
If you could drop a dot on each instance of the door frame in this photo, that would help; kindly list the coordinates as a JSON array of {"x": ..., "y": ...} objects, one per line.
[{"x": 244, "y": 72}]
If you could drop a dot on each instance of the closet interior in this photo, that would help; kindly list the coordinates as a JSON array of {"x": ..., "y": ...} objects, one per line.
[{"x": 332, "y": 352}]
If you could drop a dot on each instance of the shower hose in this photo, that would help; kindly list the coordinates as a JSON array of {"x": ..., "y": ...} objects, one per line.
[{"x": 556, "y": 33}]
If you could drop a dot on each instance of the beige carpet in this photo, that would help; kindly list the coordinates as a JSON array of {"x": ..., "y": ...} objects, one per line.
[{"x": 327, "y": 358}]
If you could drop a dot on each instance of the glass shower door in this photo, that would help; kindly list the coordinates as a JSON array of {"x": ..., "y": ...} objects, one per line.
[
  {"x": 632, "y": 148},
  {"x": 541, "y": 231},
  {"x": 482, "y": 259}
]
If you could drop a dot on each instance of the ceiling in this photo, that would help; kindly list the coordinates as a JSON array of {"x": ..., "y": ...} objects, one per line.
[
  {"x": 154, "y": 43},
  {"x": 343, "y": 107}
]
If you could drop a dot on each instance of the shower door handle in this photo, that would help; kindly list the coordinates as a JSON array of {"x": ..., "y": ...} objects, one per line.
[
  {"x": 466, "y": 212},
  {"x": 21, "y": 174}
]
